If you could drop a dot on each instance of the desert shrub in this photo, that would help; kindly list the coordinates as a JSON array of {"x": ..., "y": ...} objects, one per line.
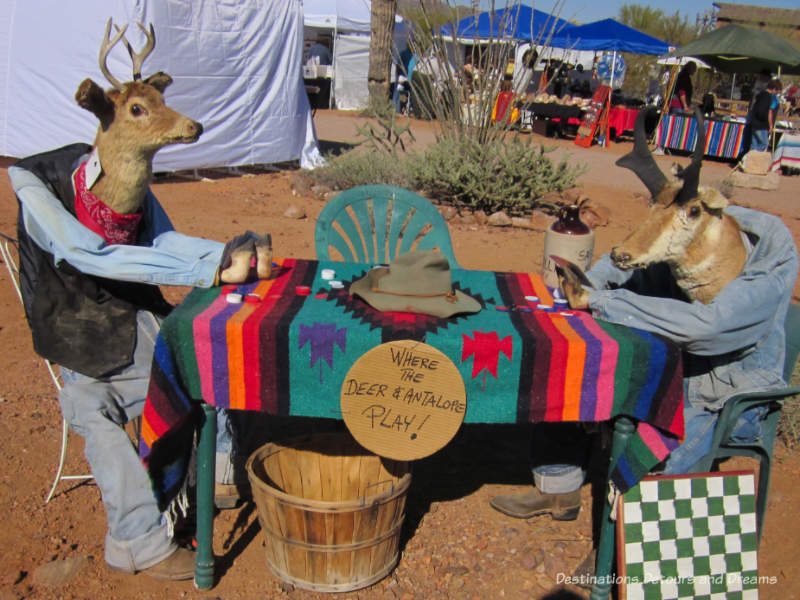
[
  {"x": 356, "y": 167},
  {"x": 475, "y": 161},
  {"x": 501, "y": 174}
]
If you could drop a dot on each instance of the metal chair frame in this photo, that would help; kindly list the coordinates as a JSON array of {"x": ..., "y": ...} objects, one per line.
[{"x": 13, "y": 272}]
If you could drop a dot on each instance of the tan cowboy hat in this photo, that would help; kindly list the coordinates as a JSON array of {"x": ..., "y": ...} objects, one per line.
[{"x": 416, "y": 282}]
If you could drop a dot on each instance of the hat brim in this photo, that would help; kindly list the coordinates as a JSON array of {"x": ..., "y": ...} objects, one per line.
[{"x": 438, "y": 306}]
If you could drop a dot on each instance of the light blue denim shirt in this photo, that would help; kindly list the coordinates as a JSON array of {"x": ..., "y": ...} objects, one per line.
[
  {"x": 734, "y": 344},
  {"x": 163, "y": 256}
]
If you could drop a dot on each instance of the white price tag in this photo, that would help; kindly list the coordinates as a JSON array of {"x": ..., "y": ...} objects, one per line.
[{"x": 93, "y": 169}]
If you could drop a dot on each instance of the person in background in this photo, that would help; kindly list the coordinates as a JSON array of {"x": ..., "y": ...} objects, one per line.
[
  {"x": 682, "y": 94},
  {"x": 319, "y": 53},
  {"x": 762, "y": 115}
]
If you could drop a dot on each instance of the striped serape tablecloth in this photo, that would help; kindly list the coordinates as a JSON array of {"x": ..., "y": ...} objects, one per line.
[
  {"x": 679, "y": 132},
  {"x": 288, "y": 354},
  {"x": 787, "y": 152}
]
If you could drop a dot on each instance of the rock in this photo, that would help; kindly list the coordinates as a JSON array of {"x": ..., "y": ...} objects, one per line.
[
  {"x": 299, "y": 185},
  {"x": 294, "y": 212},
  {"x": 448, "y": 212},
  {"x": 480, "y": 217},
  {"x": 595, "y": 216},
  {"x": 748, "y": 180},
  {"x": 499, "y": 219},
  {"x": 756, "y": 162},
  {"x": 320, "y": 191},
  {"x": 573, "y": 195},
  {"x": 552, "y": 198},
  {"x": 541, "y": 221},
  {"x": 59, "y": 572},
  {"x": 521, "y": 222}
]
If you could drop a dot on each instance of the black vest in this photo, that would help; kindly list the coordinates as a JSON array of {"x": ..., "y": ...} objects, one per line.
[{"x": 79, "y": 321}]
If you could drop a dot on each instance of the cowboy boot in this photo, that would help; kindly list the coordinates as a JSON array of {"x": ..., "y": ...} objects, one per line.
[{"x": 561, "y": 507}]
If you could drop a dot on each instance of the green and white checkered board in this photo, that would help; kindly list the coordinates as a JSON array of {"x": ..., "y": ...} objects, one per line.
[{"x": 690, "y": 537}]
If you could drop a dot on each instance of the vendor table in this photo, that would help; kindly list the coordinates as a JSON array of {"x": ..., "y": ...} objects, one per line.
[
  {"x": 560, "y": 113},
  {"x": 679, "y": 132},
  {"x": 287, "y": 353},
  {"x": 620, "y": 119},
  {"x": 787, "y": 152}
]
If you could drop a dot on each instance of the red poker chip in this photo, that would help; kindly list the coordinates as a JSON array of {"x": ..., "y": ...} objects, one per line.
[{"x": 302, "y": 290}]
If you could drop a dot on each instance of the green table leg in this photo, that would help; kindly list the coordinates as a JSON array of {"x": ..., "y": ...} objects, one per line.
[
  {"x": 601, "y": 590},
  {"x": 206, "y": 458}
]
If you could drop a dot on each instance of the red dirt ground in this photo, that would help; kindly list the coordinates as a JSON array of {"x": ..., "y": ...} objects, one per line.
[{"x": 454, "y": 544}]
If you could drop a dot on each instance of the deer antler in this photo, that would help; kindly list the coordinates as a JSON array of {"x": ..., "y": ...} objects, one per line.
[
  {"x": 139, "y": 58},
  {"x": 105, "y": 48}
]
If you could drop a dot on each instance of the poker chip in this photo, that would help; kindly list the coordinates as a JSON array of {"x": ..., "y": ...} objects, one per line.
[
  {"x": 302, "y": 290},
  {"x": 337, "y": 285},
  {"x": 233, "y": 298},
  {"x": 545, "y": 307},
  {"x": 252, "y": 298},
  {"x": 328, "y": 274},
  {"x": 534, "y": 299}
]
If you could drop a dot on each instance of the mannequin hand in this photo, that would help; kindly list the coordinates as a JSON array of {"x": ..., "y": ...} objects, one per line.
[
  {"x": 241, "y": 255},
  {"x": 572, "y": 287}
]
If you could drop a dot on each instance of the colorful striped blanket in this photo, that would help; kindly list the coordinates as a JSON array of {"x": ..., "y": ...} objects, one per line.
[
  {"x": 288, "y": 354},
  {"x": 679, "y": 132}
]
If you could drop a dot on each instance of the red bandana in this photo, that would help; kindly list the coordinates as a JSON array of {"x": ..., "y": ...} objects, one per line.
[{"x": 113, "y": 227}]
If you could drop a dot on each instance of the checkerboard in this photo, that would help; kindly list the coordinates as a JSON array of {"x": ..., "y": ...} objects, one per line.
[{"x": 689, "y": 536}]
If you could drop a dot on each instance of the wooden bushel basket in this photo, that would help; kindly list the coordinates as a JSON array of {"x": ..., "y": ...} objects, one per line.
[{"x": 331, "y": 511}]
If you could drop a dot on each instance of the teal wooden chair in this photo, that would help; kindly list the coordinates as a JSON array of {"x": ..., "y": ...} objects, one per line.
[
  {"x": 375, "y": 223},
  {"x": 722, "y": 446}
]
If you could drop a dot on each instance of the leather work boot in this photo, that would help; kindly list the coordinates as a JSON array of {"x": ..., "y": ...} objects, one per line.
[
  {"x": 177, "y": 566},
  {"x": 561, "y": 507}
]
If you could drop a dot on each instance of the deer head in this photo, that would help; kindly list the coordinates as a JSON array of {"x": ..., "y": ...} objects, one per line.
[
  {"x": 135, "y": 123},
  {"x": 686, "y": 227}
]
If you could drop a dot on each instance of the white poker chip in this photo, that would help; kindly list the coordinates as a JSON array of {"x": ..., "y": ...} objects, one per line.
[
  {"x": 328, "y": 274},
  {"x": 337, "y": 285},
  {"x": 234, "y": 298},
  {"x": 532, "y": 298}
]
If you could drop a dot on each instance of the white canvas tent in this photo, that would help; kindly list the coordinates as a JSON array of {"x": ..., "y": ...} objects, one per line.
[
  {"x": 236, "y": 66},
  {"x": 348, "y": 24}
]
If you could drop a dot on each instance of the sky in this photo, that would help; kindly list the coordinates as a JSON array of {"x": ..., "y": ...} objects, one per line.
[{"x": 586, "y": 11}]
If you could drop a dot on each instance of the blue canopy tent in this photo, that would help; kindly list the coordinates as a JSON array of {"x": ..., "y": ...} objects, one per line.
[
  {"x": 610, "y": 36},
  {"x": 519, "y": 22}
]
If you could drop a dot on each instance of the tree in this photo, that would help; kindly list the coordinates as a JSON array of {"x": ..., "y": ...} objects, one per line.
[{"x": 380, "y": 49}]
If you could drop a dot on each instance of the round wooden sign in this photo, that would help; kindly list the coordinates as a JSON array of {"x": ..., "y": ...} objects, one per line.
[{"x": 403, "y": 400}]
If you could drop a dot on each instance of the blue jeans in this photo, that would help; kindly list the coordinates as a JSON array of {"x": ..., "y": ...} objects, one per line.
[
  {"x": 759, "y": 139},
  {"x": 97, "y": 409},
  {"x": 699, "y": 430},
  {"x": 566, "y": 473},
  {"x": 559, "y": 452}
]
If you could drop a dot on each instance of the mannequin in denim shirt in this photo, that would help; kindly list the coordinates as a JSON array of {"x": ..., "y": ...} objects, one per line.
[{"x": 732, "y": 345}]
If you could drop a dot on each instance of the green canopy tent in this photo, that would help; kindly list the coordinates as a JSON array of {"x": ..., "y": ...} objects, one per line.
[{"x": 737, "y": 49}]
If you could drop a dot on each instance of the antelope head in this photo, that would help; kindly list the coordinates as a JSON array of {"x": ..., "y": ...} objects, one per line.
[
  {"x": 135, "y": 123},
  {"x": 686, "y": 227}
]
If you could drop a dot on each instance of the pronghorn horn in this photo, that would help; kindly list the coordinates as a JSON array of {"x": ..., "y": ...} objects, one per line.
[
  {"x": 641, "y": 161},
  {"x": 691, "y": 174}
]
